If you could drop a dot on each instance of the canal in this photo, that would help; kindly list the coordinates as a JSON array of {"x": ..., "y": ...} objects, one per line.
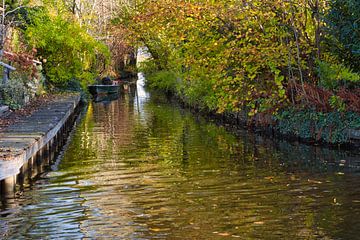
[{"x": 141, "y": 167}]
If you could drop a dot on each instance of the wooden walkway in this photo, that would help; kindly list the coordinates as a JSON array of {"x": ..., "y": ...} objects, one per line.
[{"x": 20, "y": 142}]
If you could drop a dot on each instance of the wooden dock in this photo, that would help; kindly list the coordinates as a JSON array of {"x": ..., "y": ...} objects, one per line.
[{"x": 28, "y": 146}]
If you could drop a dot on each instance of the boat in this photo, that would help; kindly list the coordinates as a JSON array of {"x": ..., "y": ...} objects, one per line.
[{"x": 103, "y": 89}]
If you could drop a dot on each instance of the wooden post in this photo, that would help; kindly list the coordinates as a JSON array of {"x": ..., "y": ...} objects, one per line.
[
  {"x": 20, "y": 179},
  {"x": 6, "y": 74},
  {"x": 46, "y": 154},
  {"x": 8, "y": 187},
  {"x": 7, "y": 70}
]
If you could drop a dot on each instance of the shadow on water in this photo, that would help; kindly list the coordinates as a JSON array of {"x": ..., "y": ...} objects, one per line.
[{"x": 140, "y": 167}]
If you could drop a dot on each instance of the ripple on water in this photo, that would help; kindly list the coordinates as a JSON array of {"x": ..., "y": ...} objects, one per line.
[{"x": 153, "y": 171}]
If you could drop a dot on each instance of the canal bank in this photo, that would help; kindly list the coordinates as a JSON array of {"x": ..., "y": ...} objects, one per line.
[
  {"x": 331, "y": 129},
  {"x": 29, "y": 145}
]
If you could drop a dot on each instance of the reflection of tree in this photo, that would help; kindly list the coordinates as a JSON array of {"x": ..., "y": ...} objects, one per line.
[
  {"x": 159, "y": 172},
  {"x": 184, "y": 141},
  {"x": 260, "y": 198}
]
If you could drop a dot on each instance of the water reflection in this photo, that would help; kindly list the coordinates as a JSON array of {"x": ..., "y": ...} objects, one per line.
[{"x": 141, "y": 168}]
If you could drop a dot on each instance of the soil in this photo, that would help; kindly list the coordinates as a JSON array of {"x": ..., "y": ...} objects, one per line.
[{"x": 17, "y": 115}]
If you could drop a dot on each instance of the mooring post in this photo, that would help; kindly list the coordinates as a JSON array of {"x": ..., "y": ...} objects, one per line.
[
  {"x": 33, "y": 166},
  {"x": 24, "y": 174},
  {"x": 20, "y": 179},
  {"x": 46, "y": 154},
  {"x": 8, "y": 187},
  {"x": 52, "y": 150},
  {"x": 55, "y": 143},
  {"x": 62, "y": 136},
  {"x": 39, "y": 163}
]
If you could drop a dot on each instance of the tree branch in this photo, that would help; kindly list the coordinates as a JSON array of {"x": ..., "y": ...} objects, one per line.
[{"x": 14, "y": 10}]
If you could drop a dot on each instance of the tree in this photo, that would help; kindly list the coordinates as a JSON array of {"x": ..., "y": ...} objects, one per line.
[
  {"x": 69, "y": 52},
  {"x": 9, "y": 15},
  {"x": 343, "y": 22}
]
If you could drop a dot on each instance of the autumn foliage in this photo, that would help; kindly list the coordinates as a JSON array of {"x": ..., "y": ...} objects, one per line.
[{"x": 229, "y": 55}]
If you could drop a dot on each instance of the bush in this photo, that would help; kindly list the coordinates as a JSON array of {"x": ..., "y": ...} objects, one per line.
[
  {"x": 337, "y": 103},
  {"x": 14, "y": 94},
  {"x": 163, "y": 80},
  {"x": 333, "y": 76},
  {"x": 67, "y": 50}
]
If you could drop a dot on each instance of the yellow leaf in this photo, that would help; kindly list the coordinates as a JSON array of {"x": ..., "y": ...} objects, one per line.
[
  {"x": 155, "y": 229},
  {"x": 225, "y": 234},
  {"x": 259, "y": 223}
]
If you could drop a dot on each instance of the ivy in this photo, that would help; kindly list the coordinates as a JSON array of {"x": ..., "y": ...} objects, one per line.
[{"x": 312, "y": 125}]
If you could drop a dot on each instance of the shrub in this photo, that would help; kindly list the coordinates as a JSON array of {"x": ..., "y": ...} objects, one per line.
[
  {"x": 15, "y": 94},
  {"x": 163, "y": 80},
  {"x": 334, "y": 75},
  {"x": 337, "y": 103},
  {"x": 69, "y": 52}
]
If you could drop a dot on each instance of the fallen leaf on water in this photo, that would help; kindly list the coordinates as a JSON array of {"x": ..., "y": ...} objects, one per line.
[
  {"x": 259, "y": 223},
  {"x": 336, "y": 202},
  {"x": 269, "y": 178},
  {"x": 293, "y": 178},
  {"x": 159, "y": 229},
  {"x": 314, "y": 181},
  {"x": 155, "y": 229},
  {"x": 225, "y": 234}
]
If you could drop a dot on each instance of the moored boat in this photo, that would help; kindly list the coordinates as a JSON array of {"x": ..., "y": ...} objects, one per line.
[{"x": 103, "y": 89}]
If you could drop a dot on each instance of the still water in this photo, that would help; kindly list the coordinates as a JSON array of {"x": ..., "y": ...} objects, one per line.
[{"x": 143, "y": 168}]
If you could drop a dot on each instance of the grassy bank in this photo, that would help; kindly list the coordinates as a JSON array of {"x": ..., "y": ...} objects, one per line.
[{"x": 335, "y": 128}]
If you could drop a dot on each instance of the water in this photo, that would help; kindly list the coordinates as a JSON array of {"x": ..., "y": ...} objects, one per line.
[{"x": 143, "y": 168}]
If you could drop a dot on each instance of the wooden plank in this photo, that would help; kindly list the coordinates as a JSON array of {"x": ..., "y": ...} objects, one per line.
[{"x": 17, "y": 147}]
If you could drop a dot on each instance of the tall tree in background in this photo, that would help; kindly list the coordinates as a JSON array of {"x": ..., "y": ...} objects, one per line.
[
  {"x": 232, "y": 54},
  {"x": 343, "y": 21},
  {"x": 9, "y": 11},
  {"x": 97, "y": 16}
]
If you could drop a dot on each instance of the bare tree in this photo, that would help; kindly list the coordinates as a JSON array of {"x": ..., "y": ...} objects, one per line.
[{"x": 8, "y": 20}]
